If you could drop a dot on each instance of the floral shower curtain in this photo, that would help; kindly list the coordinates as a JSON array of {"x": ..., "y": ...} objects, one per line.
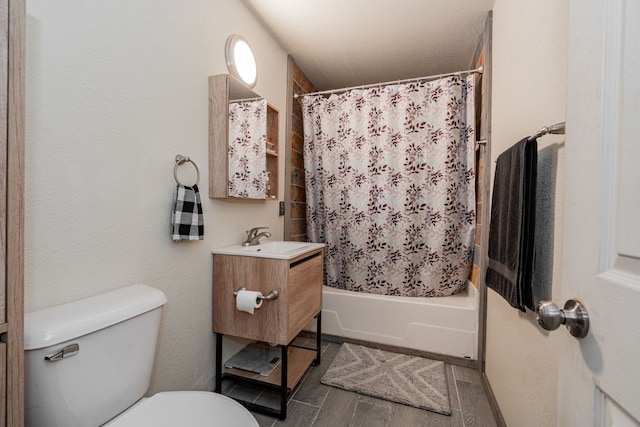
[
  {"x": 247, "y": 149},
  {"x": 389, "y": 178}
]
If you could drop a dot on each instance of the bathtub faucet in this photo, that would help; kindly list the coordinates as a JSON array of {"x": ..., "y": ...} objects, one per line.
[{"x": 253, "y": 238}]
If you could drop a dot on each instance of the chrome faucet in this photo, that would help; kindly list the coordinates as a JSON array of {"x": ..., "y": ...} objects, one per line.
[{"x": 253, "y": 238}]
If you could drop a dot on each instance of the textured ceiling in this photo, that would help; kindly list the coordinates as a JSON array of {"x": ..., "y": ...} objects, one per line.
[{"x": 341, "y": 43}]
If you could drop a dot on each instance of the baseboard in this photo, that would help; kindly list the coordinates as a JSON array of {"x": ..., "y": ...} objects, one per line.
[
  {"x": 497, "y": 415},
  {"x": 452, "y": 360}
]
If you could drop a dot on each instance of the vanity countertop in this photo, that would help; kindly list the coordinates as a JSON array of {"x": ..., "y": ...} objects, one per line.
[{"x": 275, "y": 250}]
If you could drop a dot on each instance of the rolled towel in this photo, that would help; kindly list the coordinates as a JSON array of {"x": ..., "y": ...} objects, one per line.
[{"x": 187, "y": 219}]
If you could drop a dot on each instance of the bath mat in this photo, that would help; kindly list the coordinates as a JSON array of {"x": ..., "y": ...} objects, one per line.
[{"x": 409, "y": 380}]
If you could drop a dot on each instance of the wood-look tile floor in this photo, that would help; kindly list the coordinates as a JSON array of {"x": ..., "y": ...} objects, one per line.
[{"x": 315, "y": 404}]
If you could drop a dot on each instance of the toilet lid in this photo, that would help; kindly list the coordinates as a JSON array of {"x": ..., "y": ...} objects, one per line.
[{"x": 186, "y": 408}]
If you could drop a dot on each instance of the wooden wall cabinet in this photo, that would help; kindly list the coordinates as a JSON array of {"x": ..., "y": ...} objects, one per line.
[
  {"x": 12, "y": 28},
  {"x": 224, "y": 89}
]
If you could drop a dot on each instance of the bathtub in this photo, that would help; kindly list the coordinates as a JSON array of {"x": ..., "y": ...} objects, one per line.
[{"x": 442, "y": 325}]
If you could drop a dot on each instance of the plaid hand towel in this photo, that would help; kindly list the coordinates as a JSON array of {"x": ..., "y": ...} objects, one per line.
[{"x": 186, "y": 218}]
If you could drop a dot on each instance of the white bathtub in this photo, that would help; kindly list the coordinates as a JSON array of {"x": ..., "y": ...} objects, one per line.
[{"x": 443, "y": 325}]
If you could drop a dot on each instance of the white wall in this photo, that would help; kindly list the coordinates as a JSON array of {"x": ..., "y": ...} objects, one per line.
[
  {"x": 115, "y": 89},
  {"x": 529, "y": 87}
]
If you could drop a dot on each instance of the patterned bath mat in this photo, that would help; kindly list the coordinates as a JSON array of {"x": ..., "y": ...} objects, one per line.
[{"x": 413, "y": 381}]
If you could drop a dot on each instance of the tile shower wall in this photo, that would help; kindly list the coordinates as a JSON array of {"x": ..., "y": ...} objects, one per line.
[
  {"x": 297, "y": 223},
  {"x": 482, "y": 178}
]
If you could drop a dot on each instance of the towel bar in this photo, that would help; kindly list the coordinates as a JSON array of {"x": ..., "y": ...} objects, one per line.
[
  {"x": 180, "y": 159},
  {"x": 270, "y": 296},
  {"x": 557, "y": 129}
]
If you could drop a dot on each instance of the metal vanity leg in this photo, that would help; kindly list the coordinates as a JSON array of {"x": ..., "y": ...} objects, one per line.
[
  {"x": 218, "y": 363},
  {"x": 318, "y": 339},
  {"x": 283, "y": 384}
]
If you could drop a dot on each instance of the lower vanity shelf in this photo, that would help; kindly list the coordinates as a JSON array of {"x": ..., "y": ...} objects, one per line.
[
  {"x": 299, "y": 360},
  {"x": 295, "y": 361}
]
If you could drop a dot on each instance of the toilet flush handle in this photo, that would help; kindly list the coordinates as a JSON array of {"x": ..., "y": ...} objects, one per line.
[{"x": 68, "y": 351}]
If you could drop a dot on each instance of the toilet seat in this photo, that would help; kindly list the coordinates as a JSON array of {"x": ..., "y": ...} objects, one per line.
[{"x": 187, "y": 408}]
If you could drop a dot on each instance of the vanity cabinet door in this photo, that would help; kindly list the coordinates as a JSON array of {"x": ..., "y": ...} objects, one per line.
[{"x": 304, "y": 293}]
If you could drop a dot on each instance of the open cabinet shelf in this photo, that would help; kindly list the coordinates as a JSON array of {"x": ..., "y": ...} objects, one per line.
[
  {"x": 272, "y": 152},
  {"x": 284, "y": 378}
]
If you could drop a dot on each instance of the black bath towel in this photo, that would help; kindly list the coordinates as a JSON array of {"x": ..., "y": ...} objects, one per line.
[{"x": 512, "y": 228}]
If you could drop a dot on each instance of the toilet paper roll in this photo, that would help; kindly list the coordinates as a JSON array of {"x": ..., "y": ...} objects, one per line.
[{"x": 248, "y": 301}]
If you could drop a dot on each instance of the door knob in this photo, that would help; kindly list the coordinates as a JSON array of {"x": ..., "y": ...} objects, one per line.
[{"x": 574, "y": 316}]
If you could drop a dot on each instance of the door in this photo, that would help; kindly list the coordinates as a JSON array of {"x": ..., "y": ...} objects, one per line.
[
  {"x": 599, "y": 378},
  {"x": 12, "y": 21}
]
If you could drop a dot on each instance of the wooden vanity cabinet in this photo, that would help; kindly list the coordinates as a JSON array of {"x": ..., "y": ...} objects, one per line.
[{"x": 299, "y": 285}]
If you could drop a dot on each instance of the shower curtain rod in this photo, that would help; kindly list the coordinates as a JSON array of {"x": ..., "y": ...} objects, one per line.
[
  {"x": 557, "y": 129},
  {"x": 415, "y": 79},
  {"x": 257, "y": 98}
]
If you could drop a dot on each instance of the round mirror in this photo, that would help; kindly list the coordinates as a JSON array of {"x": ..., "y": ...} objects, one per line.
[{"x": 241, "y": 61}]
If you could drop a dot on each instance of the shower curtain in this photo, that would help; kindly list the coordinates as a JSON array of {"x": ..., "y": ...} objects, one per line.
[{"x": 389, "y": 175}]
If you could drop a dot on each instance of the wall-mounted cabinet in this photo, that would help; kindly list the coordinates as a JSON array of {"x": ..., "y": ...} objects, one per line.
[{"x": 243, "y": 142}]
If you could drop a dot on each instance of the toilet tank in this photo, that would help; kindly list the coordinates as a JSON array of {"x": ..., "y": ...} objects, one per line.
[{"x": 88, "y": 360}]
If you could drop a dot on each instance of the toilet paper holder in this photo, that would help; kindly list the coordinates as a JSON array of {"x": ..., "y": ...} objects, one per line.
[{"x": 270, "y": 296}]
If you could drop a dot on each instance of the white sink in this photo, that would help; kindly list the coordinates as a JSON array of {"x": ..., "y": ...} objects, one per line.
[{"x": 277, "y": 250}]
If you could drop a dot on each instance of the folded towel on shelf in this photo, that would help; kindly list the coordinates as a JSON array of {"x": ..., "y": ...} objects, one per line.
[
  {"x": 512, "y": 228},
  {"x": 186, "y": 218}
]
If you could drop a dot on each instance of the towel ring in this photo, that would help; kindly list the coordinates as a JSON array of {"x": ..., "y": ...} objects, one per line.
[{"x": 180, "y": 159}]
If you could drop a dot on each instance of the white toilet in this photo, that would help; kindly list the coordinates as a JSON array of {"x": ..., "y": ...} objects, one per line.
[{"x": 89, "y": 362}]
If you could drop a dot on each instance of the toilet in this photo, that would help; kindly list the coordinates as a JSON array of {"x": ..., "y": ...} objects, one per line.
[{"x": 89, "y": 362}]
